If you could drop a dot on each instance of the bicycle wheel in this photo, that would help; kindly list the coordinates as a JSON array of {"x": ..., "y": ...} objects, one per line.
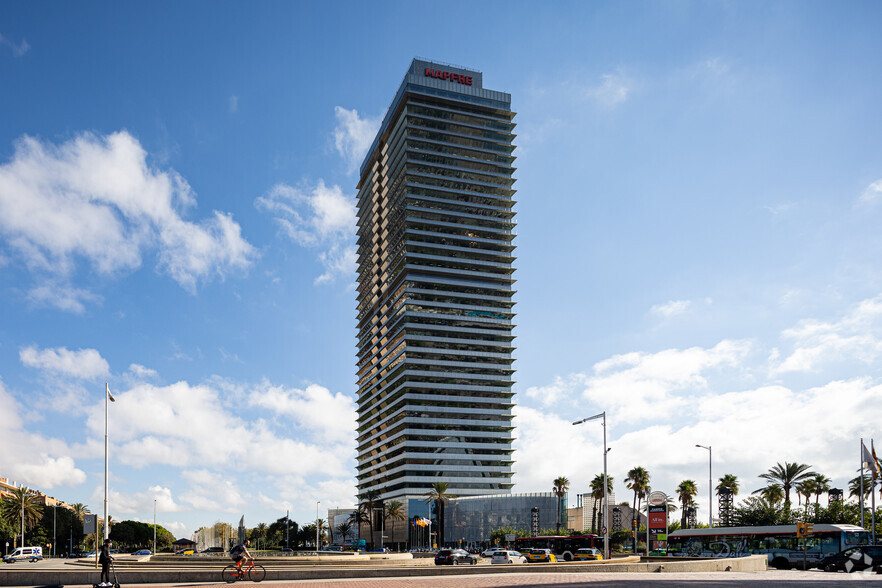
[
  {"x": 230, "y": 574},
  {"x": 257, "y": 573}
]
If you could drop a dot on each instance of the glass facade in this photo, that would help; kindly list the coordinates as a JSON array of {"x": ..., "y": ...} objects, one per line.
[
  {"x": 435, "y": 286},
  {"x": 472, "y": 519}
]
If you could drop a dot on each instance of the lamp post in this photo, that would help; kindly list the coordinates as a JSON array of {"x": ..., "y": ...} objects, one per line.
[
  {"x": 710, "y": 484},
  {"x": 605, "y": 482},
  {"x": 54, "y": 533},
  {"x": 317, "y": 503},
  {"x": 154, "y": 526},
  {"x": 107, "y": 396},
  {"x": 287, "y": 526}
]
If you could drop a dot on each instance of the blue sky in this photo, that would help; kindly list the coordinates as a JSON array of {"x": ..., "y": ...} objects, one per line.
[{"x": 699, "y": 253}]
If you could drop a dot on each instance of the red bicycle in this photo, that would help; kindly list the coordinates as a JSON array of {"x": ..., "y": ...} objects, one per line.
[{"x": 253, "y": 572}]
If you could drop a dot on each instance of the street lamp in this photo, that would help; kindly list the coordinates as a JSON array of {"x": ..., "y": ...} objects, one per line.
[
  {"x": 154, "y": 526},
  {"x": 107, "y": 396},
  {"x": 710, "y": 484},
  {"x": 605, "y": 482},
  {"x": 317, "y": 503}
]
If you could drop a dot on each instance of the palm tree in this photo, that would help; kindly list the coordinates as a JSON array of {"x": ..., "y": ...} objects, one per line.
[
  {"x": 365, "y": 512},
  {"x": 772, "y": 494},
  {"x": 822, "y": 485},
  {"x": 787, "y": 476},
  {"x": 638, "y": 481},
  {"x": 321, "y": 532},
  {"x": 80, "y": 509},
  {"x": 729, "y": 481},
  {"x": 394, "y": 510},
  {"x": 854, "y": 486},
  {"x": 261, "y": 533},
  {"x": 686, "y": 491},
  {"x": 21, "y": 505},
  {"x": 561, "y": 485},
  {"x": 344, "y": 529},
  {"x": 438, "y": 496},
  {"x": 597, "y": 494},
  {"x": 361, "y": 515}
]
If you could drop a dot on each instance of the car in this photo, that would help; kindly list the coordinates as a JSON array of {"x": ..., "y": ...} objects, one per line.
[
  {"x": 186, "y": 552},
  {"x": 454, "y": 557},
  {"x": 213, "y": 550},
  {"x": 537, "y": 555},
  {"x": 853, "y": 559},
  {"x": 76, "y": 554},
  {"x": 506, "y": 556},
  {"x": 587, "y": 553},
  {"x": 491, "y": 551},
  {"x": 142, "y": 552},
  {"x": 30, "y": 554}
]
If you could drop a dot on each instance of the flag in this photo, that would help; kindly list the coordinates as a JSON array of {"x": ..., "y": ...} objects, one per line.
[
  {"x": 867, "y": 460},
  {"x": 877, "y": 467}
]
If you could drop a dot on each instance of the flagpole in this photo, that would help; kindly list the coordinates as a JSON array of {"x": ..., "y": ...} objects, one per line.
[{"x": 862, "y": 484}]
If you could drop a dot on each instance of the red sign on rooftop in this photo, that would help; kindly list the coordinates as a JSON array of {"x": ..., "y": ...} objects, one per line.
[{"x": 447, "y": 75}]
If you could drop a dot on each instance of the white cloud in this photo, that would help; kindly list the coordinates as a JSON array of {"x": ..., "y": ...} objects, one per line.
[
  {"x": 138, "y": 502},
  {"x": 86, "y": 364},
  {"x": 189, "y": 426},
  {"x": 671, "y": 308},
  {"x": 872, "y": 194},
  {"x": 62, "y": 297},
  {"x": 353, "y": 136},
  {"x": 331, "y": 416},
  {"x": 212, "y": 491},
  {"x": 95, "y": 199},
  {"x": 856, "y": 336},
  {"x": 18, "y": 49},
  {"x": 30, "y": 458},
  {"x": 612, "y": 90},
  {"x": 141, "y": 372},
  {"x": 321, "y": 217},
  {"x": 656, "y": 385}
]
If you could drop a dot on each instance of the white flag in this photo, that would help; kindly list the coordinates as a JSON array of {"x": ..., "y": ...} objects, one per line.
[{"x": 868, "y": 461}]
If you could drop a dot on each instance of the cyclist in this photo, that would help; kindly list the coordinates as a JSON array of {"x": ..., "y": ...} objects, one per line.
[{"x": 240, "y": 553}]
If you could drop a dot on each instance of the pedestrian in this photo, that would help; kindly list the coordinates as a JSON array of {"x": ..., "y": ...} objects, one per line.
[{"x": 104, "y": 559}]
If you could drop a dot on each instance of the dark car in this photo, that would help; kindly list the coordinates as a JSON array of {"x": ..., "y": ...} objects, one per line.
[
  {"x": 454, "y": 557},
  {"x": 213, "y": 550},
  {"x": 853, "y": 559},
  {"x": 77, "y": 554}
]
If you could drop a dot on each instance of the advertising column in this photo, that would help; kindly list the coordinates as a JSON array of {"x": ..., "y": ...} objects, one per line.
[{"x": 657, "y": 522}]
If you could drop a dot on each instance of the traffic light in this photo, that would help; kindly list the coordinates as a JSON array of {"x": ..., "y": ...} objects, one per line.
[
  {"x": 807, "y": 528},
  {"x": 800, "y": 530},
  {"x": 632, "y": 533}
]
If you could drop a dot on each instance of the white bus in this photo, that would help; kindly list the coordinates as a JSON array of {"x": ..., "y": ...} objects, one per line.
[{"x": 779, "y": 542}]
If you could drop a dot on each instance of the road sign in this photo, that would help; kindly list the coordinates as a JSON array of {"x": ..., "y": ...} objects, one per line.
[{"x": 603, "y": 530}]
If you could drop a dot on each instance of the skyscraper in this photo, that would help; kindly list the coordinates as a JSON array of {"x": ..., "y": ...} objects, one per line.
[{"x": 435, "y": 285}]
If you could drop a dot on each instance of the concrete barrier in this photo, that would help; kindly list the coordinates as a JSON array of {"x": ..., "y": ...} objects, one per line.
[{"x": 186, "y": 574}]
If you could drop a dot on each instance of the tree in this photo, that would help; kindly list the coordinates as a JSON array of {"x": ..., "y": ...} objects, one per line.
[
  {"x": 260, "y": 532},
  {"x": 597, "y": 494},
  {"x": 561, "y": 485},
  {"x": 638, "y": 481},
  {"x": 21, "y": 506},
  {"x": 822, "y": 485},
  {"x": 773, "y": 493},
  {"x": 729, "y": 481},
  {"x": 361, "y": 515},
  {"x": 787, "y": 475},
  {"x": 344, "y": 529},
  {"x": 439, "y": 496},
  {"x": 394, "y": 511},
  {"x": 366, "y": 511},
  {"x": 686, "y": 491},
  {"x": 854, "y": 487}
]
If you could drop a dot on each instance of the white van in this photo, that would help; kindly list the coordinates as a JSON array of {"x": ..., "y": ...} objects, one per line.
[{"x": 31, "y": 554}]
